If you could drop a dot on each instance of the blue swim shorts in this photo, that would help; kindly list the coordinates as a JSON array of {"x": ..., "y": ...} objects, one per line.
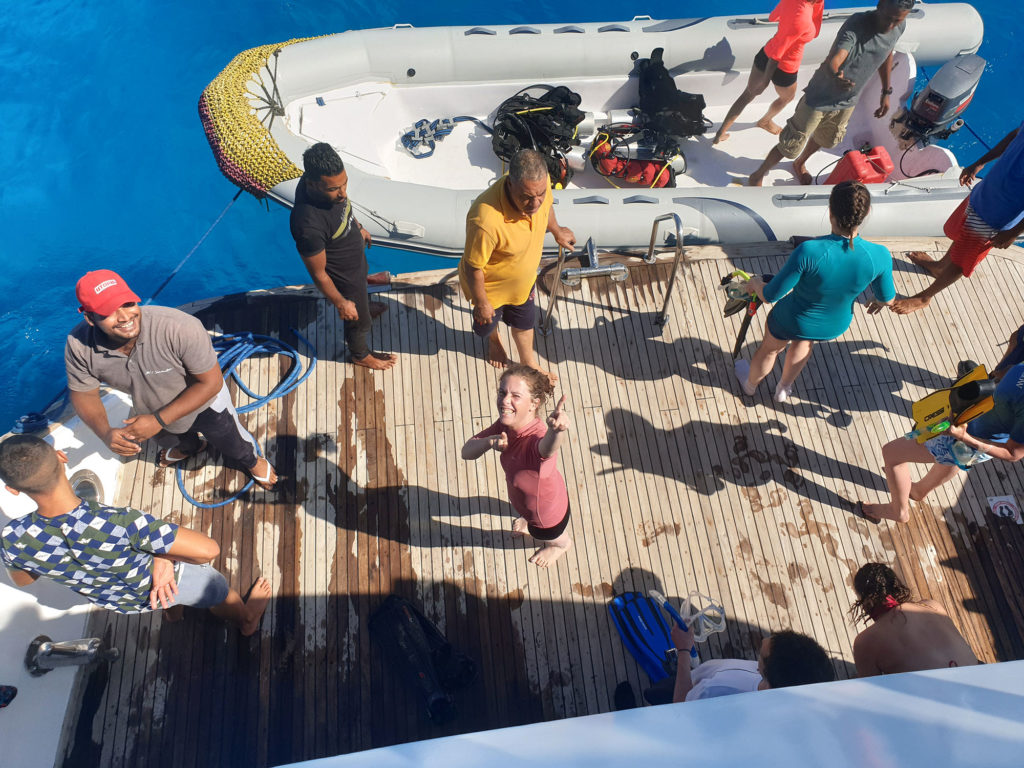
[{"x": 948, "y": 450}]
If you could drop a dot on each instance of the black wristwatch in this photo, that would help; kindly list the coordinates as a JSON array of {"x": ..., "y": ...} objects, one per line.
[{"x": 886, "y": 91}]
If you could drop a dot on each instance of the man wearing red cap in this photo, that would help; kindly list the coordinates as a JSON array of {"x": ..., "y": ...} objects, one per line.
[{"x": 164, "y": 359}]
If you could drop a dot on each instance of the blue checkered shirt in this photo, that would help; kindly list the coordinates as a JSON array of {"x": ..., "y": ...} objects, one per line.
[{"x": 103, "y": 553}]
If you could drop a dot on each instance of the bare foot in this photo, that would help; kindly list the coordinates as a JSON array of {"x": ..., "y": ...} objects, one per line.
[
  {"x": 496, "y": 354},
  {"x": 906, "y": 306},
  {"x": 801, "y": 174},
  {"x": 377, "y": 309},
  {"x": 255, "y": 605},
  {"x": 519, "y": 527},
  {"x": 550, "y": 553},
  {"x": 263, "y": 474},
  {"x": 767, "y": 124},
  {"x": 720, "y": 137},
  {"x": 924, "y": 261},
  {"x": 866, "y": 511},
  {"x": 378, "y": 278},
  {"x": 376, "y": 361}
]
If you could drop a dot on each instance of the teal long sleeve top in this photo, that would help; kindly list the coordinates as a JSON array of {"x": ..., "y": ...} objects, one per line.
[{"x": 818, "y": 285}]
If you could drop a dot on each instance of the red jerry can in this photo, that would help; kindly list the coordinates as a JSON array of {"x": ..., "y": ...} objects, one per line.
[{"x": 869, "y": 166}]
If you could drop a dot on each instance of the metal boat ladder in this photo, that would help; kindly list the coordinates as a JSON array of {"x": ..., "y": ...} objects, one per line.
[{"x": 590, "y": 266}]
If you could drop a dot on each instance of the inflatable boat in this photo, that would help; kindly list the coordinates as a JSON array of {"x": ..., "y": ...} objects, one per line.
[{"x": 363, "y": 91}]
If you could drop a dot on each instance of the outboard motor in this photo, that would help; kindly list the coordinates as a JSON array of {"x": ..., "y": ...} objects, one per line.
[{"x": 935, "y": 112}]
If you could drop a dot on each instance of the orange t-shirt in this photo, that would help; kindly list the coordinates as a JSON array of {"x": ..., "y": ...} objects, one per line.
[{"x": 799, "y": 23}]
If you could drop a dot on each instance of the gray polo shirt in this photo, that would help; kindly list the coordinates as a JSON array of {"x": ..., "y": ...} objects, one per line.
[
  {"x": 170, "y": 345},
  {"x": 867, "y": 50}
]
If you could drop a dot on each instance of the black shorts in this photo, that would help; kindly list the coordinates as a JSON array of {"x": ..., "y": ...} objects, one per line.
[
  {"x": 779, "y": 78},
  {"x": 552, "y": 533},
  {"x": 522, "y": 317}
]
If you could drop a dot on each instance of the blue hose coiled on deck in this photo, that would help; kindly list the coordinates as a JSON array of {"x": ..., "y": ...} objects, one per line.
[{"x": 231, "y": 350}]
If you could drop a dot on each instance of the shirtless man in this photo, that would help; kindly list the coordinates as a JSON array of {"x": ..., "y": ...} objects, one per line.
[{"x": 905, "y": 636}]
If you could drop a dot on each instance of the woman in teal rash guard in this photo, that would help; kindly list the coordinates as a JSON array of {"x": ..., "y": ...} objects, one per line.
[{"x": 816, "y": 290}]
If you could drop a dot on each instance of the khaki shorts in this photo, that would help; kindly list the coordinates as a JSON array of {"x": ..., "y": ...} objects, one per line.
[{"x": 826, "y": 128}]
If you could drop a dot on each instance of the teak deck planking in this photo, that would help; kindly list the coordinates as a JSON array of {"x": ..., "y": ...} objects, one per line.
[{"x": 675, "y": 483}]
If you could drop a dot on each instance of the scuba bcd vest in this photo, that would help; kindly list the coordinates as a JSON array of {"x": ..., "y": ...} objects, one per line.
[
  {"x": 648, "y": 150},
  {"x": 546, "y": 123},
  {"x": 667, "y": 111}
]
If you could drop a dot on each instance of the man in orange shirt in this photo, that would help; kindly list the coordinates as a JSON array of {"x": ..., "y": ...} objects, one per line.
[{"x": 505, "y": 230}]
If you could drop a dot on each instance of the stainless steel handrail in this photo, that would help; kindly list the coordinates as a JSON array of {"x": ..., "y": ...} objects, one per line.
[
  {"x": 662, "y": 316},
  {"x": 545, "y": 326},
  {"x": 573, "y": 276}
]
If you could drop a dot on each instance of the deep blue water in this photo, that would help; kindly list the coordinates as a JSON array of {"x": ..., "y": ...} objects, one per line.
[{"x": 104, "y": 162}]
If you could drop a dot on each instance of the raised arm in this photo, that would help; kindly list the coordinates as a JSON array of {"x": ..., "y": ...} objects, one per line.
[
  {"x": 476, "y": 447},
  {"x": 558, "y": 423}
]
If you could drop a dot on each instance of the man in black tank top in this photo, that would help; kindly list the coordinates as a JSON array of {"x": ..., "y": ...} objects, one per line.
[{"x": 331, "y": 242}]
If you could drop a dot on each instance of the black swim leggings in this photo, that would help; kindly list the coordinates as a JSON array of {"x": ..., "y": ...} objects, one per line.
[{"x": 224, "y": 432}]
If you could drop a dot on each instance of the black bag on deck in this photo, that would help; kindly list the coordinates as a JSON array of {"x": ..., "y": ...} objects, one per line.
[
  {"x": 421, "y": 654},
  {"x": 546, "y": 123},
  {"x": 667, "y": 110}
]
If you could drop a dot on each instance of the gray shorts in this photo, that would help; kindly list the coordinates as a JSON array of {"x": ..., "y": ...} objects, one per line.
[{"x": 200, "y": 586}]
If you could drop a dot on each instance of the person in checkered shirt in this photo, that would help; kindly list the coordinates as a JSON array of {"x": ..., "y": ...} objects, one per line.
[{"x": 116, "y": 557}]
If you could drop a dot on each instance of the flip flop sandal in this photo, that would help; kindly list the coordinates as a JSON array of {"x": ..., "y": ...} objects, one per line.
[
  {"x": 264, "y": 482},
  {"x": 162, "y": 459}
]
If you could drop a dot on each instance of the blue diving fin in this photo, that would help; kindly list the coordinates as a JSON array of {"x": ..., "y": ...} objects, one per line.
[{"x": 644, "y": 632}]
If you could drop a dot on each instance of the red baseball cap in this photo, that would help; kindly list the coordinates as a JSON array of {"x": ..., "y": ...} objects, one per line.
[{"x": 102, "y": 292}]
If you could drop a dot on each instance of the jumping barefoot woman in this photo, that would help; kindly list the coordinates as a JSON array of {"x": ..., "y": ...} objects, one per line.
[{"x": 529, "y": 456}]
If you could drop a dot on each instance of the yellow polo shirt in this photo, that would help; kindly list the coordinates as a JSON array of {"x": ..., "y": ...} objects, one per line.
[{"x": 505, "y": 244}]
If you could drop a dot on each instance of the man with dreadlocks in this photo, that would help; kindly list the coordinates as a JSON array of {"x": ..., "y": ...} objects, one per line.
[{"x": 904, "y": 636}]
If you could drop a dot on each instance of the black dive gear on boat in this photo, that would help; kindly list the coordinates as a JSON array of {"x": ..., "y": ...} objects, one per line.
[
  {"x": 422, "y": 655},
  {"x": 546, "y": 123},
  {"x": 671, "y": 114}
]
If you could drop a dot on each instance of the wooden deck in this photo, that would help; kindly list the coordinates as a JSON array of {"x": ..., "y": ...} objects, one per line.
[{"x": 674, "y": 481}]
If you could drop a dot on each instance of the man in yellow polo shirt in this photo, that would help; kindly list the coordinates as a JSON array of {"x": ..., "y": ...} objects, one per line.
[{"x": 505, "y": 230}]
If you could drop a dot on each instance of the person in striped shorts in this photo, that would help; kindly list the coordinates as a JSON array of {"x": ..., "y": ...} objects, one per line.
[{"x": 992, "y": 216}]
